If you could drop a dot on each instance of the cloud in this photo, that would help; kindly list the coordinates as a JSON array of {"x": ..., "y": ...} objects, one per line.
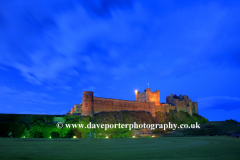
[
  {"x": 31, "y": 47},
  {"x": 27, "y": 96},
  {"x": 55, "y": 41},
  {"x": 103, "y": 8},
  {"x": 114, "y": 38},
  {"x": 219, "y": 102}
]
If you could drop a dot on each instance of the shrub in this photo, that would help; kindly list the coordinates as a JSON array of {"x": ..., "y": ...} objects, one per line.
[
  {"x": 48, "y": 118},
  {"x": 70, "y": 134},
  {"x": 17, "y": 129},
  {"x": 26, "y": 134},
  {"x": 39, "y": 123},
  {"x": 8, "y": 117},
  {"x": 35, "y": 130},
  {"x": 231, "y": 121},
  {"x": 38, "y": 135},
  {"x": 47, "y": 131},
  {"x": 55, "y": 135},
  {"x": 78, "y": 133},
  {"x": 36, "y": 118},
  {"x": 126, "y": 134}
]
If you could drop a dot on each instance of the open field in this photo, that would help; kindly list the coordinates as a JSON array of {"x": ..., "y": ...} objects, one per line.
[{"x": 220, "y": 147}]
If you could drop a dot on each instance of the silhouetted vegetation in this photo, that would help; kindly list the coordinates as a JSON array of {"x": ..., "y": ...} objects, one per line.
[
  {"x": 37, "y": 126},
  {"x": 54, "y": 135},
  {"x": 185, "y": 118},
  {"x": 231, "y": 121}
]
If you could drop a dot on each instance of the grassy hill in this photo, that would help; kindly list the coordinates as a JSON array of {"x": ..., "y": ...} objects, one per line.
[
  {"x": 139, "y": 117},
  {"x": 45, "y": 125}
]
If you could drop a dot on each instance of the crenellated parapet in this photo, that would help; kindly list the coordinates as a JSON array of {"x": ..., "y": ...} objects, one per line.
[{"x": 182, "y": 103}]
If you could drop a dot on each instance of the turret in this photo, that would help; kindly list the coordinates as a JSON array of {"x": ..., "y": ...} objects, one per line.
[
  {"x": 136, "y": 95},
  {"x": 87, "y": 103}
]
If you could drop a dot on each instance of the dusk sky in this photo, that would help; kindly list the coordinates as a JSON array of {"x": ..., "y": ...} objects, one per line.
[{"x": 52, "y": 51}]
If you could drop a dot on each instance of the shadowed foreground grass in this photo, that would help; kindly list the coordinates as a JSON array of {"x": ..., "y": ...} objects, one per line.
[{"x": 123, "y": 148}]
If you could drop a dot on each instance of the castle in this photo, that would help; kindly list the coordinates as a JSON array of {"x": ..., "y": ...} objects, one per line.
[{"x": 146, "y": 101}]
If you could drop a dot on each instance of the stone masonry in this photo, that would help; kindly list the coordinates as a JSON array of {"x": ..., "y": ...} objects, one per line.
[{"x": 146, "y": 101}]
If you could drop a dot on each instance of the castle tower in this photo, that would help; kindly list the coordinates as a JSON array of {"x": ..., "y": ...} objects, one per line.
[
  {"x": 153, "y": 96},
  {"x": 142, "y": 97},
  {"x": 148, "y": 92},
  {"x": 72, "y": 110},
  {"x": 148, "y": 96},
  {"x": 195, "y": 107},
  {"x": 136, "y": 95},
  {"x": 87, "y": 103}
]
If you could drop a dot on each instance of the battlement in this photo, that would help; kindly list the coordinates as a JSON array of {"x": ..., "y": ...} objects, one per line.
[
  {"x": 148, "y": 96},
  {"x": 114, "y": 99},
  {"x": 182, "y": 103},
  {"x": 148, "y": 101}
]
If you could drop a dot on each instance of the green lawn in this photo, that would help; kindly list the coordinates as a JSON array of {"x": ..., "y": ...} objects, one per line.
[{"x": 122, "y": 148}]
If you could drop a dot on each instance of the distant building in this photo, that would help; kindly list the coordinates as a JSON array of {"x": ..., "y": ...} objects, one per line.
[{"x": 146, "y": 101}]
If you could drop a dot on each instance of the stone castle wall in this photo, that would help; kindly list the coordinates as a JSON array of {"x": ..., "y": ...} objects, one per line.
[
  {"x": 195, "y": 107},
  {"x": 146, "y": 101},
  {"x": 92, "y": 105},
  {"x": 182, "y": 103},
  {"x": 164, "y": 108},
  {"x": 110, "y": 105}
]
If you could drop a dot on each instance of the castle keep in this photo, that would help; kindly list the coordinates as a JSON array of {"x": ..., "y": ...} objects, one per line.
[{"x": 146, "y": 101}]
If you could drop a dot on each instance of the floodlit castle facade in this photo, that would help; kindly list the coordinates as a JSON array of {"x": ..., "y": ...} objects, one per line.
[{"x": 146, "y": 101}]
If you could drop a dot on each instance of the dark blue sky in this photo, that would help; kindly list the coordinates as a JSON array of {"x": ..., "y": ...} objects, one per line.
[{"x": 50, "y": 52}]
